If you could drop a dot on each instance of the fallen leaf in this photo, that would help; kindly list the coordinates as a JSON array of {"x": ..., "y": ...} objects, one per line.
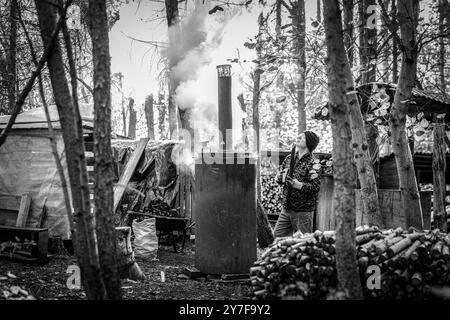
[
  {"x": 9, "y": 274},
  {"x": 14, "y": 290}
]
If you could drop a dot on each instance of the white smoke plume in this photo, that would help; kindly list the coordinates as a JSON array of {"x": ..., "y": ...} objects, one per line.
[{"x": 200, "y": 43}]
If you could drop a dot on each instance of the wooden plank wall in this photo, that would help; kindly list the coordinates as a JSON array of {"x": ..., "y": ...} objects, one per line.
[
  {"x": 390, "y": 205},
  {"x": 325, "y": 220}
]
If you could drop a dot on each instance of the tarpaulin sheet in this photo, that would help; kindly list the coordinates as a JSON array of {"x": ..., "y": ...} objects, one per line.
[{"x": 27, "y": 165}]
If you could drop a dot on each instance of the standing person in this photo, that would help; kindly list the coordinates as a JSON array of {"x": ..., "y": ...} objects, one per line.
[{"x": 298, "y": 210}]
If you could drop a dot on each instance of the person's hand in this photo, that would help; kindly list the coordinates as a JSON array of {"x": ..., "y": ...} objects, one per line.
[{"x": 294, "y": 183}]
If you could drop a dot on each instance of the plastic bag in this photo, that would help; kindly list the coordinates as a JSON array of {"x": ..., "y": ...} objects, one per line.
[{"x": 145, "y": 239}]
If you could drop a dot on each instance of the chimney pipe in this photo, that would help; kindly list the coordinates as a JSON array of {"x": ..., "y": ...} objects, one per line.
[{"x": 225, "y": 112}]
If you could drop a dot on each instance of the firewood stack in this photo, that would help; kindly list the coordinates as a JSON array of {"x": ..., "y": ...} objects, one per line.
[
  {"x": 410, "y": 263},
  {"x": 272, "y": 194}
]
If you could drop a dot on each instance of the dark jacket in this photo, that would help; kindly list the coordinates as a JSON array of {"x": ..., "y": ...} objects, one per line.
[{"x": 304, "y": 199}]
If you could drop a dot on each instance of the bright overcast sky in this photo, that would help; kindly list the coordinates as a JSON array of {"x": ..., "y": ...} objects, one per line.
[{"x": 137, "y": 61}]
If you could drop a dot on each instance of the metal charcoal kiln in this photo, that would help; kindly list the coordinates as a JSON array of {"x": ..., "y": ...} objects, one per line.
[{"x": 225, "y": 199}]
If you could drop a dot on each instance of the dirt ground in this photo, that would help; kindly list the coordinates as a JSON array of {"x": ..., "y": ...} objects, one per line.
[{"x": 49, "y": 281}]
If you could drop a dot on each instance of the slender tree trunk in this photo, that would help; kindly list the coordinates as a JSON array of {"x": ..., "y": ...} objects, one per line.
[
  {"x": 408, "y": 13},
  {"x": 84, "y": 181},
  {"x": 439, "y": 161},
  {"x": 439, "y": 168},
  {"x": 368, "y": 58},
  {"x": 12, "y": 54},
  {"x": 298, "y": 23},
  {"x": 319, "y": 13},
  {"x": 122, "y": 102},
  {"x": 395, "y": 52},
  {"x": 264, "y": 231},
  {"x": 348, "y": 29},
  {"x": 161, "y": 117},
  {"x": 172, "y": 22},
  {"x": 149, "y": 116},
  {"x": 278, "y": 19},
  {"x": 85, "y": 246},
  {"x": 133, "y": 119},
  {"x": 255, "y": 105},
  {"x": 104, "y": 165},
  {"x": 344, "y": 177},
  {"x": 385, "y": 51}
]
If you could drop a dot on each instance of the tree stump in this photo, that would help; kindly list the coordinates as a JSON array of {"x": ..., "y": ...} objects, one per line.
[{"x": 128, "y": 267}]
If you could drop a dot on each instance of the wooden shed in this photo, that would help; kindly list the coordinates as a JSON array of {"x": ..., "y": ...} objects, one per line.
[{"x": 27, "y": 166}]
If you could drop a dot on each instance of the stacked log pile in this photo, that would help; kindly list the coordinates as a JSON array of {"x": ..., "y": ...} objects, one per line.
[
  {"x": 410, "y": 264},
  {"x": 272, "y": 194}
]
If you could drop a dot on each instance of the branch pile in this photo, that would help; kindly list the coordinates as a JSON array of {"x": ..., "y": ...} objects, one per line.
[{"x": 410, "y": 263}]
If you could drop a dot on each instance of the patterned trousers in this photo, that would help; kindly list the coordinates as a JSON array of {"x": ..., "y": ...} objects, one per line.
[{"x": 290, "y": 222}]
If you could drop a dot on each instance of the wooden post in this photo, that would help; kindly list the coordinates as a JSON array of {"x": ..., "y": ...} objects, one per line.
[
  {"x": 439, "y": 165},
  {"x": 24, "y": 208}
]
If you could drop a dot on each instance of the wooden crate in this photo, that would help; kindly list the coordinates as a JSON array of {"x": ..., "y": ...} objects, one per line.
[{"x": 38, "y": 235}]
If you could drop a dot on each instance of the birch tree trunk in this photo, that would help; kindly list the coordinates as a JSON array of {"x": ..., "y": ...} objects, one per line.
[
  {"x": 85, "y": 246},
  {"x": 408, "y": 14},
  {"x": 344, "y": 177},
  {"x": 149, "y": 117},
  {"x": 104, "y": 165}
]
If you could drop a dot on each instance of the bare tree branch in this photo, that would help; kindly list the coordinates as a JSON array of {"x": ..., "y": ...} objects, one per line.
[{"x": 29, "y": 85}]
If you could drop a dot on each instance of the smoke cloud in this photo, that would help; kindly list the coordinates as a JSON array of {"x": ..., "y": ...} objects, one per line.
[{"x": 200, "y": 43}]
